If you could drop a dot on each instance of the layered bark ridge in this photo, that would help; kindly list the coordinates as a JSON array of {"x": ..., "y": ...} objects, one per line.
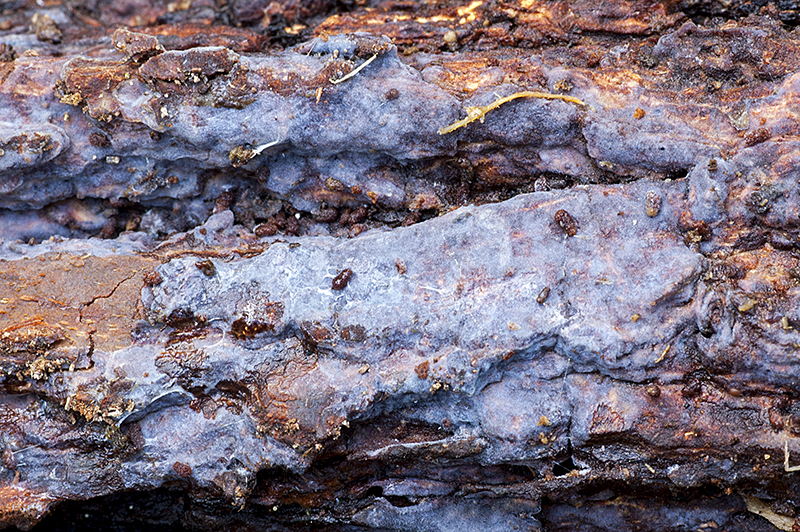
[{"x": 310, "y": 309}]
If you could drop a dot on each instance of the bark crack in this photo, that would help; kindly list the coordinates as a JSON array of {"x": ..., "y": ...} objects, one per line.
[{"x": 104, "y": 296}]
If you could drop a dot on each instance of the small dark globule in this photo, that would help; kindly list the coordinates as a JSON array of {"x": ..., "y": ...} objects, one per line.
[
  {"x": 183, "y": 470},
  {"x": 183, "y": 317},
  {"x": 342, "y": 278},
  {"x": 566, "y": 222},
  {"x": 266, "y": 229},
  {"x": 652, "y": 203},
  {"x": 692, "y": 388},
  {"x": 751, "y": 138},
  {"x": 152, "y": 278},
  {"x": 355, "y": 217},
  {"x": 326, "y": 215},
  {"x": 653, "y": 390},
  {"x": 543, "y": 295},
  {"x": 353, "y": 333},
  {"x": 99, "y": 140},
  {"x": 207, "y": 267},
  {"x": 334, "y": 185},
  {"x": 9, "y": 460},
  {"x": 243, "y": 329}
]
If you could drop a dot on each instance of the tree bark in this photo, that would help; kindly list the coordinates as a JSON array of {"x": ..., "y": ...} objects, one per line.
[{"x": 400, "y": 265}]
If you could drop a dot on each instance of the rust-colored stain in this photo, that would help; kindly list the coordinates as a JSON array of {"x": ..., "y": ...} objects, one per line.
[{"x": 63, "y": 300}]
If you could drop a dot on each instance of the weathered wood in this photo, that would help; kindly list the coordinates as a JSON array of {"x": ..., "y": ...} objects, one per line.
[{"x": 547, "y": 318}]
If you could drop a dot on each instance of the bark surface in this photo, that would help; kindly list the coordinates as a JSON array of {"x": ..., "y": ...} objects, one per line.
[{"x": 249, "y": 278}]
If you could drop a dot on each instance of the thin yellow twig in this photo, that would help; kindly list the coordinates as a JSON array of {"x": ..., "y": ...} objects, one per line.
[
  {"x": 663, "y": 354},
  {"x": 478, "y": 113}
]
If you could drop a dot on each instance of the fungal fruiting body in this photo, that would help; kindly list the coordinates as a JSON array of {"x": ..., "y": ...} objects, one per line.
[
  {"x": 566, "y": 222},
  {"x": 543, "y": 295},
  {"x": 478, "y": 113},
  {"x": 342, "y": 278},
  {"x": 652, "y": 203}
]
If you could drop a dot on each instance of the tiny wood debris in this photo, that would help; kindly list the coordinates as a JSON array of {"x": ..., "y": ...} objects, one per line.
[{"x": 463, "y": 265}]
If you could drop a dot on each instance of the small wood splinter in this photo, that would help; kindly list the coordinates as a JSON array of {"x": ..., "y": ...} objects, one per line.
[
  {"x": 354, "y": 72},
  {"x": 478, "y": 113},
  {"x": 241, "y": 155},
  {"x": 786, "y": 466}
]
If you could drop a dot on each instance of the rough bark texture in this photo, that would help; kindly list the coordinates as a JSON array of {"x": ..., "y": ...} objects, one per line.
[{"x": 311, "y": 310}]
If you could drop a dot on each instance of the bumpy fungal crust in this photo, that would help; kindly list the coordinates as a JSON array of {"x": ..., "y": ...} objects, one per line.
[
  {"x": 412, "y": 395},
  {"x": 479, "y": 113}
]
